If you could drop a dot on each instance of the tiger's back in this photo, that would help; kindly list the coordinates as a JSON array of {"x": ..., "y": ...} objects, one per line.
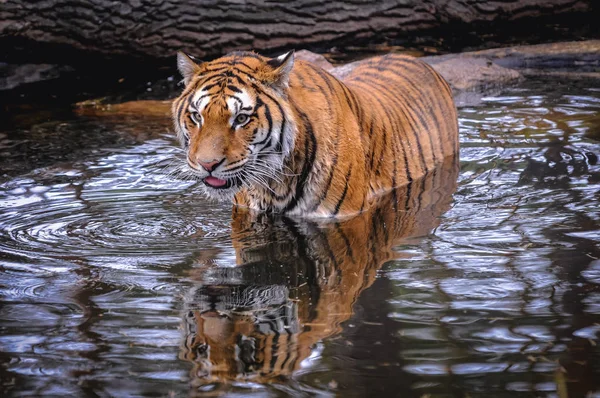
[{"x": 409, "y": 122}]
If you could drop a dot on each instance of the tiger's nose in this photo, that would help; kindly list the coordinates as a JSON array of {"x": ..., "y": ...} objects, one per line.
[{"x": 210, "y": 166}]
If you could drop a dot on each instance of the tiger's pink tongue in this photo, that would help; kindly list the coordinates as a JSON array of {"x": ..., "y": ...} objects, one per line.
[{"x": 214, "y": 181}]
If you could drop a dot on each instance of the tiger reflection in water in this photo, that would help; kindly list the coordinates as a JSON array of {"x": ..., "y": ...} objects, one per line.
[{"x": 296, "y": 281}]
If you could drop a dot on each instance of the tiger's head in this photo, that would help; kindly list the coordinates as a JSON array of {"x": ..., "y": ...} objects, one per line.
[
  {"x": 233, "y": 120},
  {"x": 241, "y": 332}
]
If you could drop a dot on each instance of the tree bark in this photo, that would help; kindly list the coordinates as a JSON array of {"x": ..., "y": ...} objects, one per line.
[{"x": 209, "y": 28}]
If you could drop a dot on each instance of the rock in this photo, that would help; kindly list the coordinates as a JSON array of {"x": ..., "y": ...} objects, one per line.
[
  {"x": 575, "y": 54},
  {"x": 561, "y": 74},
  {"x": 314, "y": 58},
  {"x": 472, "y": 78}
]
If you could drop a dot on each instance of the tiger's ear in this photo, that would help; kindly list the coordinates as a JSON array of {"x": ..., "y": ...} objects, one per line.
[
  {"x": 187, "y": 67},
  {"x": 282, "y": 67}
]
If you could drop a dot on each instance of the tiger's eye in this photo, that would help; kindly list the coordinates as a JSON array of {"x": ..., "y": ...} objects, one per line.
[
  {"x": 241, "y": 118},
  {"x": 196, "y": 118}
]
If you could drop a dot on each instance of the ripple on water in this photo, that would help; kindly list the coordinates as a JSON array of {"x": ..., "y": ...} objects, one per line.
[
  {"x": 126, "y": 209},
  {"x": 59, "y": 227}
]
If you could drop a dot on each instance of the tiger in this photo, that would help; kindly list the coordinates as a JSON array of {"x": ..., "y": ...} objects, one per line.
[
  {"x": 295, "y": 281},
  {"x": 279, "y": 135}
]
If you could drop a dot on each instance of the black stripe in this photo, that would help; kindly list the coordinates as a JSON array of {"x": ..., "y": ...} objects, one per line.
[
  {"x": 347, "y": 243},
  {"x": 306, "y": 86},
  {"x": 279, "y": 146},
  {"x": 251, "y": 74},
  {"x": 200, "y": 98},
  {"x": 187, "y": 91},
  {"x": 310, "y": 274},
  {"x": 359, "y": 109},
  {"x": 259, "y": 103},
  {"x": 385, "y": 109},
  {"x": 179, "y": 111},
  {"x": 394, "y": 127},
  {"x": 245, "y": 65},
  {"x": 270, "y": 129},
  {"x": 283, "y": 116},
  {"x": 418, "y": 66},
  {"x": 375, "y": 223},
  {"x": 288, "y": 356},
  {"x": 372, "y": 152},
  {"x": 233, "y": 88},
  {"x": 383, "y": 140},
  {"x": 433, "y": 176},
  {"x": 343, "y": 197},
  {"x": 420, "y": 100},
  {"x": 393, "y": 137},
  {"x": 239, "y": 80},
  {"x": 239, "y": 101},
  {"x": 216, "y": 70},
  {"x": 236, "y": 167},
  {"x": 328, "y": 183},
  {"x": 401, "y": 104},
  {"x": 184, "y": 105},
  {"x": 310, "y": 151},
  {"x": 386, "y": 232},
  {"x": 214, "y": 80},
  {"x": 325, "y": 77},
  {"x": 351, "y": 104},
  {"x": 326, "y": 93},
  {"x": 322, "y": 237},
  {"x": 210, "y": 86},
  {"x": 274, "y": 350},
  {"x": 408, "y": 193}
]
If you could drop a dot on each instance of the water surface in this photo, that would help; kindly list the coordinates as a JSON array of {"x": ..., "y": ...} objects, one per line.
[{"x": 118, "y": 278}]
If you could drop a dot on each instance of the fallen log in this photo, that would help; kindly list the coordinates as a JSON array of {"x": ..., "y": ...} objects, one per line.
[{"x": 156, "y": 29}]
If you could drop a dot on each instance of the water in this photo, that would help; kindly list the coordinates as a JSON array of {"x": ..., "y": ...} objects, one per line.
[{"x": 119, "y": 279}]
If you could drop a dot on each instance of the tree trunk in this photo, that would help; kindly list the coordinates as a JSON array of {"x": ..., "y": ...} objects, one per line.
[{"x": 158, "y": 28}]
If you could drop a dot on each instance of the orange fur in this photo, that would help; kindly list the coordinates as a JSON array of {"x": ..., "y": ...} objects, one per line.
[{"x": 314, "y": 146}]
